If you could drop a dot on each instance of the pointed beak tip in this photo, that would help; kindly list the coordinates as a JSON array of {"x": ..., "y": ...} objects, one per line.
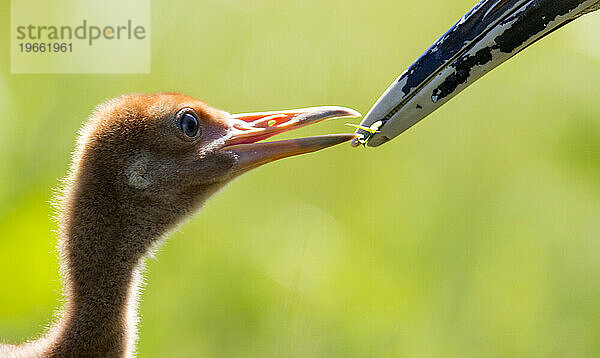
[
  {"x": 323, "y": 141},
  {"x": 318, "y": 114},
  {"x": 349, "y": 113},
  {"x": 344, "y": 137}
]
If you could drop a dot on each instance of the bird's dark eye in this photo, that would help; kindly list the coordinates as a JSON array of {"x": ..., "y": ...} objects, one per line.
[{"x": 188, "y": 123}]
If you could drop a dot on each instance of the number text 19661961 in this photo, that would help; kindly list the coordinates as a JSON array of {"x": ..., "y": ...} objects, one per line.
[{"x": 48, "y": 47}]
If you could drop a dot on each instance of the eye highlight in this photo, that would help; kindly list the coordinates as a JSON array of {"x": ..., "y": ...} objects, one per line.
[{"x": 187, "y": 122}]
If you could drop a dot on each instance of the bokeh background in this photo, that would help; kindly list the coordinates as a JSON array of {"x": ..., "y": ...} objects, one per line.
[{"x": 475, "y": 234}]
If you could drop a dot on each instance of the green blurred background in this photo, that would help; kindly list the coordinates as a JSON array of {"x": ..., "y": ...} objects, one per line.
[{"x": 475, "y": 234}]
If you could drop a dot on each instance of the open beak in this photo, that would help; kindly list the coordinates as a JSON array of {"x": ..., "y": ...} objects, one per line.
[
  {"x": 249, "y": 128},
  {"x": 489, "y": 34}
]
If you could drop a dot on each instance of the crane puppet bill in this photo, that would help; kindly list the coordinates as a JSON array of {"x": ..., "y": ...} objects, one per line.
[{"x": 489, "y": 34}]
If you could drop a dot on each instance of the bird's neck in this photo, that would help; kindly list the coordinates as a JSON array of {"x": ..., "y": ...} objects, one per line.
[
  {"x": 100, "y": 314},
  {"x": 106, "y": 232},
  {"x": 102, "y": 255},
  {"x": 99, "y": 317}
]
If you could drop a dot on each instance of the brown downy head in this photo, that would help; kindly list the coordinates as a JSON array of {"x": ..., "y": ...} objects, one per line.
[{"x": 144, "y": 162}]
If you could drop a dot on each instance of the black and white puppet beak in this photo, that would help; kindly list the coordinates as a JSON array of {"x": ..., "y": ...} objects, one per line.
[{"x": 489, "y": 34}]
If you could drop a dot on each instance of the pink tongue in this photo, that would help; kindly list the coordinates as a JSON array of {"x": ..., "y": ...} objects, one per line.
[{"x": 248, "y": 140}]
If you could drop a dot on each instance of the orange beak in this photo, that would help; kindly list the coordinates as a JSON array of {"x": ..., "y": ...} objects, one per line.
[{"x": 249, "y": 128}]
